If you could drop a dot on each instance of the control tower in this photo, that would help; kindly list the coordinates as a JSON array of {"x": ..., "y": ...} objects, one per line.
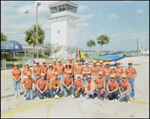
[{"x": 63, "y": 26}]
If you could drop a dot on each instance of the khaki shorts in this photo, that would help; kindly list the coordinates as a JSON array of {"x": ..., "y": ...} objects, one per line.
[{"x": 93, "y": 77}]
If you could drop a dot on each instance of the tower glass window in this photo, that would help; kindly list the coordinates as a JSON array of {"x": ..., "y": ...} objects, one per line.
[
  {"x": 62, "y": 8},
  {"x": 53, "y": 10}
]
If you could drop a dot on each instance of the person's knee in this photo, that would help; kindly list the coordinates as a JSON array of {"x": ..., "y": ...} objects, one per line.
[{"x": 87, "y": 97}]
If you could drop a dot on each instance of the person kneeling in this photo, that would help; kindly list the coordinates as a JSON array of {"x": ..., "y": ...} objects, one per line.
[
  {"x": 79, "y": 84},
  {"x": 89, "y": 87},
  {"x": 126, "y": 87},
  {"x": 54, "y": 86},
  {"x": 68, "y": 84},
  {"x": 112, "y": 88},
  {"x": 42, "y": 87}
]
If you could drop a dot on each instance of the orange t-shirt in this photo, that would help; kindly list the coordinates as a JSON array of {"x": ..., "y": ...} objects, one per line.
[
  {"x": 100, "y": 82},
  {"x": 78, "y": 83},
  {"x": 72, "y": 65},
  {"x": 125, "y": 85},
  {"x": 60, "y": 68},
  {"x": 66, "y": 71},
  {"x": 50, "y": 73},
  {"x": 54, "y": 67},
  {"x": 90, "y": 86},
  {"x": 78, "y": 69},
  {"x": 37, "y": 70},
  {"x": 67, "y": 81},
  {"x": 53, "y": 83},
  {"x": 119, "y": 71},
  {"x": 95, "y": 70},
  {"x": 28, "y": 83},
  {"x": 112, "y": 85},
  {"x": 86, "y": 69},
  {"x": 43, "y": 68},
  {"x": 130, "y": 72},
  {"x": 16, "y": 73},
  {"x": 42, "y": 84},
  {"x": 26, "y": 70},
  {"x": 101, "y": 69},
  {"x": 108, "y": 72}
]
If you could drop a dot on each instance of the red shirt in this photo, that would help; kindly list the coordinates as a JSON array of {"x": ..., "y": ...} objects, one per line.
[
  {"x": 100, "y": 82},
  {"x": 28, "y": 83},
  {"x": 112, "y": 85},
  {"x": 42, "y": 84},
  {"x": 67, "y": 81},
  {"x": 108, "y": 71}
]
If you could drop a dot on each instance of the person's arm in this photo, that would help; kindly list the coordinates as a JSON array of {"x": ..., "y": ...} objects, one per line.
[
  {"x": 13, "y": 75},
  {"x": 45, "y": 87},
  {"x": 114, "y": 90},
  {"x": 38, "y": 88},
  {"x": 51, "y": 84},
  {"x": 64, "y": 82},
  {"x": 108, "y": 89},
  {"x": 120, "y": 90},
  {"x": 104, "y": 87},
  {"x": 135, "y": 74},
  {"x": 93, "y": 87},
  {"x": 35, "y": 85},
  {"x": 71, "y": 84}
]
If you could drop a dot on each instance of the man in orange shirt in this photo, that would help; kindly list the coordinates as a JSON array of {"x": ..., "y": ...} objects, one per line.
[
  {"x": 28, "y": 82},
  {"x": 125, "y": 94},
  {"x": 112, "y": 88},
  {"x": 54, "y": 86},
  {"x": 89, "y": 87},
  {"x": 36, "y": 72},
  {"x": 86, "y": 71},
  {"x": 68, "y": 84},
  {"x": 27, "y": 69},
  {"x": 60, "y": 69},
  {"x": 79, "y": 87},
  {"x": 101, "y": 67},
  {"x": 16, "y": 73},
  {"x": 78, "y": 69},
  {"x": 94, "y": 70},
  {"x": 72, "y": 65},
  {"x": 100, "y": 85},
  {"x": 54, "y": 64},
  {"x": 67, "y": 68},
  {"x": 131, "y": 75},
  {"x": 42, "y": 87},
  {"x": 50, "y": 72},
  {"x": 44, "y": 68}
]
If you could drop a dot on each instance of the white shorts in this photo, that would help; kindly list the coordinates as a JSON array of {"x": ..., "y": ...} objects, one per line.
[{"x": 76, "y": 76}]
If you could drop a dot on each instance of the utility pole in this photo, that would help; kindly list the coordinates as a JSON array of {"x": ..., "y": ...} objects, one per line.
[{"x": 137, "y": 46}]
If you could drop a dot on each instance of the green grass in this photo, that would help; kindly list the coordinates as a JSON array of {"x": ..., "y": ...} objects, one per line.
[{"x": 2, "y": 69}]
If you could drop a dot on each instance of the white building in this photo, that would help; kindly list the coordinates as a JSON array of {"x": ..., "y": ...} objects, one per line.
[{"x": 63, "y": 26}]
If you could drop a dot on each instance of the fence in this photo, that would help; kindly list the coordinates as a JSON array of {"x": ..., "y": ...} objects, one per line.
[{"x": 3, "y": 63}]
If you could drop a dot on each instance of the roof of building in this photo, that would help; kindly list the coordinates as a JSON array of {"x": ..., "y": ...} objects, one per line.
[{"x": 64, "y": 2}]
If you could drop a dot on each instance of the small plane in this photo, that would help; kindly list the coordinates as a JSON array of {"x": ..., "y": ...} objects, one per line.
[
  {"x": 143, "y": 51},
  {"x": 115, "y": 56}
]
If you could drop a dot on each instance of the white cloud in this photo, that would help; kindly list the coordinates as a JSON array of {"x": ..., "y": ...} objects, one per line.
[
  {"x": 82, "y": 25},
  {"x": 113, "y": 17},
  {"x": 85, "y": 17},
  {"x": 139, "y": 11},
  {"x": 114, "y": 35},
  {"x": 82, "y": 8}
]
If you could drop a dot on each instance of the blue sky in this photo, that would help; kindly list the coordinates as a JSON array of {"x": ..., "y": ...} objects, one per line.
[{"x": 122, "y": 21}]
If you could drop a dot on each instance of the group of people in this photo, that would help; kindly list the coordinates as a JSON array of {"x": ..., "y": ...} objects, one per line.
[{"x": 103, "y": 81}]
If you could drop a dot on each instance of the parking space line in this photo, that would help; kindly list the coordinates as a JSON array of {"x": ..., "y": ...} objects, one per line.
[
  {"x": 80, "y": 107},
  {"x": 48, "y": 108},
  {"x": 146, "y": 103},
  {"x": 6, "y": 90}
]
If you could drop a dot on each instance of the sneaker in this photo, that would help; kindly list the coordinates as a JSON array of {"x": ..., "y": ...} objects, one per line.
[
  {"x": 18, "y": 95},
  {"x": 15, "y": 95},
  {"x": 133, "y": 98},
  {"x": 104, "y": 100},
  {"x": 72, "y": 96},
  {"x": 128, "y": 102},
  {"x": 56, "y": 96},
  {"x": 81, "y": 96},
  {"x": 116, "y": 100},
  {"x": 24, "y": 98},
  {"x": 54, "y": 93}
]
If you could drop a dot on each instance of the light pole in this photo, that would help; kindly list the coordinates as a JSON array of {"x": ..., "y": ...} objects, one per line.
[{"x": 137, "y": 46}]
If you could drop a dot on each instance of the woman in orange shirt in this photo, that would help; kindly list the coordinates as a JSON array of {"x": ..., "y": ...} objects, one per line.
[
  {"x": 67, "y": 68},
  {"x": 16, "y": 73},
  {"x": 27, "y": 69},
  {"x": 50, "y": 72}
]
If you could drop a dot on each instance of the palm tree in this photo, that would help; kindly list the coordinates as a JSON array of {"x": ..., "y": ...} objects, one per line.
[
  {"x": 3, "y": 37},
  {"x": 91, "y": 43},
  {"x": 102, "y": 39},
  {"x": 31, "y": 36}
]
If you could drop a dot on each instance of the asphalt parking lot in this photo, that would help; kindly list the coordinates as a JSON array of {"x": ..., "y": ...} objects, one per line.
[{"x": 14, "y": 107}]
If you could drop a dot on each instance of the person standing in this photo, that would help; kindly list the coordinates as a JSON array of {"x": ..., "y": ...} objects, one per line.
[
  {"x": 125, "y": 94},
  {"x": 72, "y": 65},
  {"x": 112, "y": 88},
  {"x": 100, "y": 85},
  {"x": 79, "y": 87},
  {"x": 50, "y": 72},
  {"x": 54, "y": 86},
  {"x": 60, "y": 69},
  {"x": 28, "y": 82},
  {"x": 54, "y": 64},
  {"x": 86, "y": 71},
  {"x": 42, "y": 87},
  {"x": 67, "y": 68},
  {"x": 89, "y": 88},
  {"x": 16, "y": 73},
  {"x": 68, "y": 84},
  {"x": 27, "y": 69},
  {"x": 44, "y": 68},
  {"x": 101, "y": 67},
  {"x": 94, "y": 71},
  {"x": 131, "y": 75},
  {"x": 78, "y": 69}
]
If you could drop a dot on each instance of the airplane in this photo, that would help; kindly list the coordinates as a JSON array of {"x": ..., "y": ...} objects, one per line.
[
  {"x": 143, "y": 51},
  {"x": 115, "y": 56}
]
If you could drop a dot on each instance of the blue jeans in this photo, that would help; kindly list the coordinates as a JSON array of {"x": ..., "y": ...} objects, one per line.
[
  {"x": 41, "y": 96},
  {"x": 35, "y": 91},
  {"x": 106, "y": 79},
  {"x": 113, "y": 95},
  {"x": 30, "y": 93},
  {"x": 66, "y": 91},
  {"x": 73, "y": 78},
  {"x": 85, "y": 79},
  {"x": 16, "y": 85},
  {"x": 45, "y": 77},
  {"x": 52, "y": 91},
  {"x": 60, "y": 76},
  {"x": 125, "y": 96},
  {"x": 91, "y": 93},
  {"x": 98, "y": 93},
  {"x": 118, "y": 80},
  {"x": 132, "y": 86}
]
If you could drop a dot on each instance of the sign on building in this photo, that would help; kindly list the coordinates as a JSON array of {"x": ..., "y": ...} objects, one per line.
[{"x": 32, "y": 61}]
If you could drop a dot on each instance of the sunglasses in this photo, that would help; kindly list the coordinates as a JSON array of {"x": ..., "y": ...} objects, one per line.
[
  {"x": 112, "y": 78},
  {"x": 129, "y": 64},
  {"x": 123, "y": 78}
]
